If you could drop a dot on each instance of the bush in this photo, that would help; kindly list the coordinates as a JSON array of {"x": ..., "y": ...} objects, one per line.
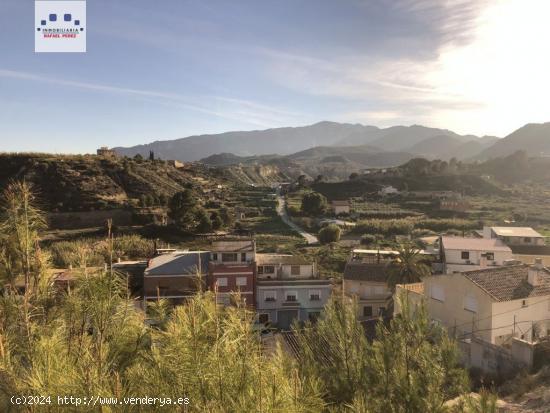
[
  {"x": 313, "y": 203},
  {"x": 385, "y": 226},
  {"x": 330, "y": 233}
]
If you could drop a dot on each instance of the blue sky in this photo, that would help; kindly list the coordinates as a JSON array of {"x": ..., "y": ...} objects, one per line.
[{"x": 167, "y": 69}]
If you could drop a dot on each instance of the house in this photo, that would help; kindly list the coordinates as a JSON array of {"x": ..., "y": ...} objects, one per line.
[
  {"x": 340, "y": 207},
  {"x": 232, "y": 270},
  {"x": 175, "y": 163},
  {"x": 175, "y": 275},
  {"x": 289, "y": 288},
  {"x": 388, "y": 190},
  {"x": 514, "y": 235},
  {"x": 106, "y": 152},
  {"x": 492, "y": 304},
  {"x": 465, "y": 254},
  {"x": 527, "y": 254},
  {"x": 338, "y": 222},
  {"x": 366, "y": 282}
]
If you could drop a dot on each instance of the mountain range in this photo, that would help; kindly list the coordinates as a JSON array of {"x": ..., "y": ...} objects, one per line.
[{"x": 363, "y": 145}]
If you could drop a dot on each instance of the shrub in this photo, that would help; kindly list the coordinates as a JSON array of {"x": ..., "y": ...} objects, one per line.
[
  {"x": 385, "y": 226},
  {"x": 314, "y": 203},
  {"x": 330, "y": 233}
]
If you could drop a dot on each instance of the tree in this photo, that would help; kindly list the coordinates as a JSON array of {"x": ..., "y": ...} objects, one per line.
[
  {"x": 353, "y": 176},
  {"x": 226, "y": 216},
  {"x": 21, "y": 222},
  {"x": 182, "y": 208},
  {"x": 314, "y": 203},
  {"x": 319, "y": 178},
  {"x": 330, "y": 233},
  {"x": 411, "y": 366},
  {"x": 302, "y": 180},
  {"x": 204, "y": 223},
  {"x": 216, "y": 219},
  {"x": 138, "y": 157},
  {"x": 409, "y": 268},
  {"x": 151, "y": 155}
]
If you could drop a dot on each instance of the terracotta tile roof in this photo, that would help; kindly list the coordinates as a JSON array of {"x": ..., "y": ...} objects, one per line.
[
  {"x": 366, "y": 272},
  {"x": 509, "y": 282}
]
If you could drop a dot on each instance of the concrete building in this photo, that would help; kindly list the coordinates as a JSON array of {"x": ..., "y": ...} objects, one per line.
[
  {"x": 491, "y": 304},
  {"x": 514, "y": 235},
  {"x": 175, "y": 275},
  {"x": 289, "y": 288},
  {"x": 340, "y": 207},
  {"x": 232, "y": 269},
  {"x": 465, "y": 254},
  {"x": 367, "y": 284}
]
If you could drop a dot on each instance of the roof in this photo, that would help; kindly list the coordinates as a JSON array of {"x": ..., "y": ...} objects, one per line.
[
  {"x": 539, "y": 250},
  {"x": 274, "y": 259},
  {"x": 360, "y": 271},
  {"x": 178, "y": 263},
  {"x": 340, "y": 203},
  {"x": 509, "y": 282},
  {"x": 516, "y": 232},
  {"x": 474, "y": 244},
  {"x": 234, "y": 246},
  {"x": 375, "y": 252}
]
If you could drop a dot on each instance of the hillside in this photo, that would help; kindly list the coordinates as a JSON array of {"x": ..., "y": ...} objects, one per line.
[
  {"x": 533, "y": 138},
  {"x": 286, "y": 141},
  {"x": 281, "y": 141},
  {"x": 82, "y": 183}
]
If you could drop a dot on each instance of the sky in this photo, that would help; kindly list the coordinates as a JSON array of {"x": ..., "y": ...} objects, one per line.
[{"x": 157, "y": 70}]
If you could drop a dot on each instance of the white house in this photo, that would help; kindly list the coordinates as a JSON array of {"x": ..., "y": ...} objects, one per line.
[
  {"x": 514, "y": 235},
  {"x": 493, "y": 304},
  {"x": 465, "y": 254},
  {"x": 340, "y": 207}
]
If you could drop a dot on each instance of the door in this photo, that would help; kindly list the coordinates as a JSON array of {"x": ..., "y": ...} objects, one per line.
[{"x": 285, "y": 318}]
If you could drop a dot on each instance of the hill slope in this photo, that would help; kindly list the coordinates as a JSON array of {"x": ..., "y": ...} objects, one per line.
[
  {"x": 534, "y": 138},
  {"x": 282, "y": 141}
]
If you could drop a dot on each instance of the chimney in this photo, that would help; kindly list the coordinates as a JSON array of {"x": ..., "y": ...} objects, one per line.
[
  {"x": 533, "y": 273},
  {"x": 538, "y": 264},
  {"x": 487, "y": 232}
]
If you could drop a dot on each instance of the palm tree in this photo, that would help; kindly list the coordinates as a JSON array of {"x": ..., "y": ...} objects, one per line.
[{"x": 409, "y": 268}]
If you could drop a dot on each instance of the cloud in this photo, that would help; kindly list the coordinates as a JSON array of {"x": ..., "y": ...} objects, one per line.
[{"x": 224, "y": 107}]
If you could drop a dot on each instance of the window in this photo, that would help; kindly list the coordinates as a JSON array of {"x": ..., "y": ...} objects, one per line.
[
  {"x": 270, "y": 296},
  {"x": 438, "y": 293},
  {"x": 214, "y": 256},
  {"x": 260, "y": 269},
  {"x": 243, "y": 256},
  {"x": 222, "y": 282},
  {"x": 314, "y": 295},
  {"x": 470, "y": 303},
  {"x": 294, "y": 270},
  {"x": 367, "y": 311},
  {"x": 241, "y": 281},
  {"x": 268, "y": 269},
  {"x": 490, "y": 256},
  {"x": 465, "y": 255},
  {"x": 229, "y": 257},
  {"x": 527, "y": 240},
  {"x": 524, "y": 303},
  {"x": 263, "y": 318},
  {"x": 291, "y": 296}
]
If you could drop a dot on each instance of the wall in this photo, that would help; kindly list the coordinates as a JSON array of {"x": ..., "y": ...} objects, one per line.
[
  {"x": 170, "y": 286},
  {"x": 368, "y": 294},
  {"x": 530, "y": 259},
  {"x": 535, "y": 309},
  {"x": 303, "y": 303},
  {"x": 284, "y": 271},
  {"x": 451, "y": 312},
  {"x": 454, "y": 261}
]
